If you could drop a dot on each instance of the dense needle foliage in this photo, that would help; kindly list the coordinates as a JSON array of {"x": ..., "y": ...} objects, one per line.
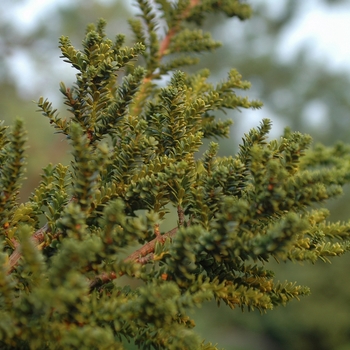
[{"x": 135, "y": 157}]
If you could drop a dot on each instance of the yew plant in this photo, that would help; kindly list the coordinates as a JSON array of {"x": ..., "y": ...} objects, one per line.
[{"x": 86, "y": 263}]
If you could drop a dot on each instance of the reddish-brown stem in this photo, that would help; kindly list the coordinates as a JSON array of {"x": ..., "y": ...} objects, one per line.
[
  {"x": 37, "y": 238},
  {"x": 166, "y": 42},
  {"x": 141, "y": 256},
  {"x": 161, "y": 52},
  {"x": 172, "y": 31},
  {"x": 149, "y": 246}
]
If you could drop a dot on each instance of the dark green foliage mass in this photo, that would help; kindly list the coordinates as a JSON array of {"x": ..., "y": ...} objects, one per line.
[{"x": 86, "y": 263}]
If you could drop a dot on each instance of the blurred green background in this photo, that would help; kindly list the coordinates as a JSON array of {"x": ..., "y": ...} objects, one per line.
[{"x": 299, "y": 88}]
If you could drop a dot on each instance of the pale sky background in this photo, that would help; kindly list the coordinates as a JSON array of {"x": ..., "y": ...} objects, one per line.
[{"x": 323, "y": 29}]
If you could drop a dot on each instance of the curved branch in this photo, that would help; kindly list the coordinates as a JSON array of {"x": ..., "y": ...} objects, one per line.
[{"x": 141, "y": 256}]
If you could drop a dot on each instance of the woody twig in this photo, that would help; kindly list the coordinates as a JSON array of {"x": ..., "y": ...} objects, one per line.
[
  {"x": 164, "y": 45},
  {"x": 141, "y": 256}
]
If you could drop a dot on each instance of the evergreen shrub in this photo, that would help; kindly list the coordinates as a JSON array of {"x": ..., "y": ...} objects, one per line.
[{"x": 86, "y": 263}]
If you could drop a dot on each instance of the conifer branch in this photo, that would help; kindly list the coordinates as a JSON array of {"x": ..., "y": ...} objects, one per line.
[
  {"x": 148, "y": 248},
  {"x": 172, "y": 31},
  {"x": 141, "y": 256},
  {"x": 164, "y": 45}
]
